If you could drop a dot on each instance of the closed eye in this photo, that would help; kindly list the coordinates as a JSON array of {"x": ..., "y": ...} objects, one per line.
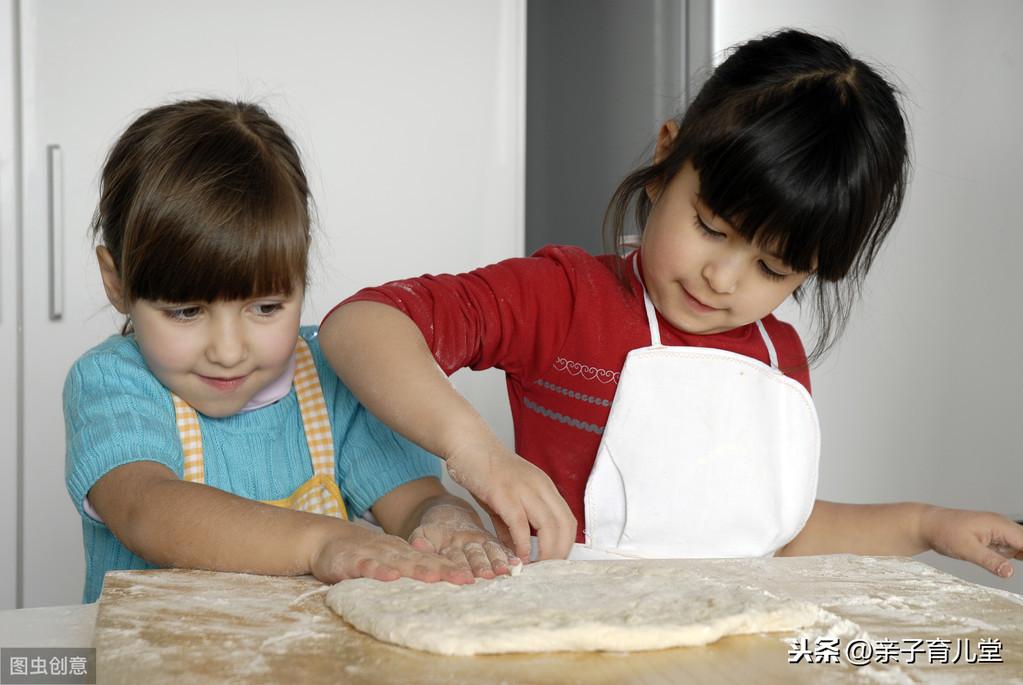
[
  {"x": 771, "y": 273},
  {"x": 702, "y": 225},
  {"x": 711, "y": 233}
]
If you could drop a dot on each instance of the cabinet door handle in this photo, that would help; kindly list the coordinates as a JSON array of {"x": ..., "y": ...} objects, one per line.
[{"x": 55, "y": 196}]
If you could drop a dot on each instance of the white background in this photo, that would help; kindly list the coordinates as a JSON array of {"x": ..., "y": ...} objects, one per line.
[{"x": 921, "y": 399}]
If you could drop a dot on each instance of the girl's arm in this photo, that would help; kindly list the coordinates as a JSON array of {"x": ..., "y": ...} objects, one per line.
[
  {"x": 986, "y": 539},
  {"x": 381, "y": 356},
  {"x": 171, "y": 522}
]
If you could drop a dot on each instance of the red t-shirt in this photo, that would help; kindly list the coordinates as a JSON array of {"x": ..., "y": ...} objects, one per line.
[{"x": 559, "y": 324}]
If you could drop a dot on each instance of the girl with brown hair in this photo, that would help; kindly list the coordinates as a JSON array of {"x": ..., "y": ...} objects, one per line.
[{"x": 212, "y": 433}]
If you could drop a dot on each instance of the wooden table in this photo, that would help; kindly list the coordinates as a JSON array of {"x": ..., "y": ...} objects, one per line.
[{"x": 174, "y": 626}]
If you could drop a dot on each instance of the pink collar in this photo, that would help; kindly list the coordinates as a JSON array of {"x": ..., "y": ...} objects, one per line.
[{"x": 274, "y": 390}]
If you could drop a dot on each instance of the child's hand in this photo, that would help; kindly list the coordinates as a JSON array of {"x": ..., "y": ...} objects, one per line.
[
  {"x": 456, "y": 532},
  {"x": 517, "y": 494},
  {"x": 347, "y": 550},
  {"x": 987, "y": 539}
]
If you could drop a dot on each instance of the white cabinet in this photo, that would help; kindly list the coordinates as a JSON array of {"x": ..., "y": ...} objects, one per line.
[
  {"x": 8, "y": 317},
  {"x": 409, "y": 116}
]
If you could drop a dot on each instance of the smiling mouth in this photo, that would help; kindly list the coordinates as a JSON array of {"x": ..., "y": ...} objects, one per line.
[
  {"x": 697, "y": 304},
  {"x": 225, "y": 384}
]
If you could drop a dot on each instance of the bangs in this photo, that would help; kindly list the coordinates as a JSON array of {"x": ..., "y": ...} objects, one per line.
[
  {"x": 803, "y": 150},
  {"x": 228, "y": 230},
  {"x": 799, "y": 179}
]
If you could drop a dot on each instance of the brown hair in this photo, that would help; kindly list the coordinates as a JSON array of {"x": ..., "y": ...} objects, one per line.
[
  {"x": 798, "y": 145},
  {"x": 205, "y": 200}
]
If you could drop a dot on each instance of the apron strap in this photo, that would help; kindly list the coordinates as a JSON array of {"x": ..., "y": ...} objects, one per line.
[
  {"x": 311, "y": 404},
  {"x": 655, "y": 331},
  {"x": 191, "y": 440},
  {"x": 315, "y": 419},
  {"x": 651, "y": 314},
  {"x": 771, "y": 353}
]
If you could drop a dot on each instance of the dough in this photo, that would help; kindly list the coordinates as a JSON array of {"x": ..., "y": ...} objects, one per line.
[{"x": 566, "y": 606}]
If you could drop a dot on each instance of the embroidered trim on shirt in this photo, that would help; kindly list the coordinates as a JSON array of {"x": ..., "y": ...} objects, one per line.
[
  {"x": 561, "y": 418},
  {"x": 588, "y": 372},
  {"x": 574, "y": 395}
]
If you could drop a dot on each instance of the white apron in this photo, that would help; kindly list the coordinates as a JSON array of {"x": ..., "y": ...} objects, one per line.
[{"x": 706, "y": 453}]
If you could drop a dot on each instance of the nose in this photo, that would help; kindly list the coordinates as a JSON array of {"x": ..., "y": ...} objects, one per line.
[
  {"x": 722, "y": 274},
  {"x": 226, "y": 346}
]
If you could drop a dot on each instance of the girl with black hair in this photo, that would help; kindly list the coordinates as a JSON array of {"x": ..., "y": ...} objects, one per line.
[{"x": 661, "y": 409}]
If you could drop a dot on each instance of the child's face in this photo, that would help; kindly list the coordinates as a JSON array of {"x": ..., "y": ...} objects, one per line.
[
  {"x": 702, "y": 276},
  {"x": 216, "y": 356}
]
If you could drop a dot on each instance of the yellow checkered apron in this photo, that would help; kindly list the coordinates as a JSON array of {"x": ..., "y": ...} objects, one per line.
[{"x": 318, "y": 495}]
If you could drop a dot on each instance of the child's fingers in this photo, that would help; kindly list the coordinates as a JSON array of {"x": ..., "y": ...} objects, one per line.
[
  {"x": 486, "y": 560},
  {"x": 503, "y": 534},
  {"x": 432, "y": 568},
  {"x": 1011, "y": 534},
  {"x": 546, "y": 542},
  {"x": 564, "y": 524},
  {"x": 456, "y": 574},
  {"x": 1006, "y": 544},
  {"x": 1002, "y": 567},
  {"x": 516, "y": 522},
  {"x": 989, "y": 559},
  {"x": 421, "y": 542},
  {"x": 534, "y": 501},
  {"x": 1007, "y": 552},
  {"x": 555, "y": 530},
  {"x": 477, "y": 560},
  {"x": 396, "y": 559},
  {"x": 377, "y": 570},
  {"x": 386, "y": 558},
  {"x": 500, "y": 557},
  {"x": 457, "y": 556}
]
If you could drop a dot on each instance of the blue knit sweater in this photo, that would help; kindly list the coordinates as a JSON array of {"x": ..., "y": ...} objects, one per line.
[{"x": 116, "y": 411}]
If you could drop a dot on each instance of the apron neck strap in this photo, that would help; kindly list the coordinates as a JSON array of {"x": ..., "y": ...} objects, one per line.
[
  {"x": 311, "y": 405},
  {"x": 651, "y": 314},
  {"x": 771, "y": 353},
  {"x": 655, "y": 330}
]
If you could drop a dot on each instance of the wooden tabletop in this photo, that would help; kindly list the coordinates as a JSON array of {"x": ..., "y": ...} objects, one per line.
[{"x": 173, "y": 626}]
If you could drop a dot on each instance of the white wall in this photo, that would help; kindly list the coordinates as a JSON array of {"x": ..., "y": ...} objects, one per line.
[{"x": 921, "y": 399}]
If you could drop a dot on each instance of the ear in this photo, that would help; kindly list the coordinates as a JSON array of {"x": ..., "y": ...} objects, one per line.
[
  {"x": 665, "y": 140},
  {"x": 111, "y": 280}
]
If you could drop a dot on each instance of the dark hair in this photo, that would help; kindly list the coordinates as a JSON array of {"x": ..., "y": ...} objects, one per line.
[
  {"x": 800, "y": 147},
  {"x": 205, "y": 200}
]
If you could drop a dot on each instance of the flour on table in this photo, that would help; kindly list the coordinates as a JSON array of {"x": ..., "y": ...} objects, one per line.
[{"x": 555, "y": 606}]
